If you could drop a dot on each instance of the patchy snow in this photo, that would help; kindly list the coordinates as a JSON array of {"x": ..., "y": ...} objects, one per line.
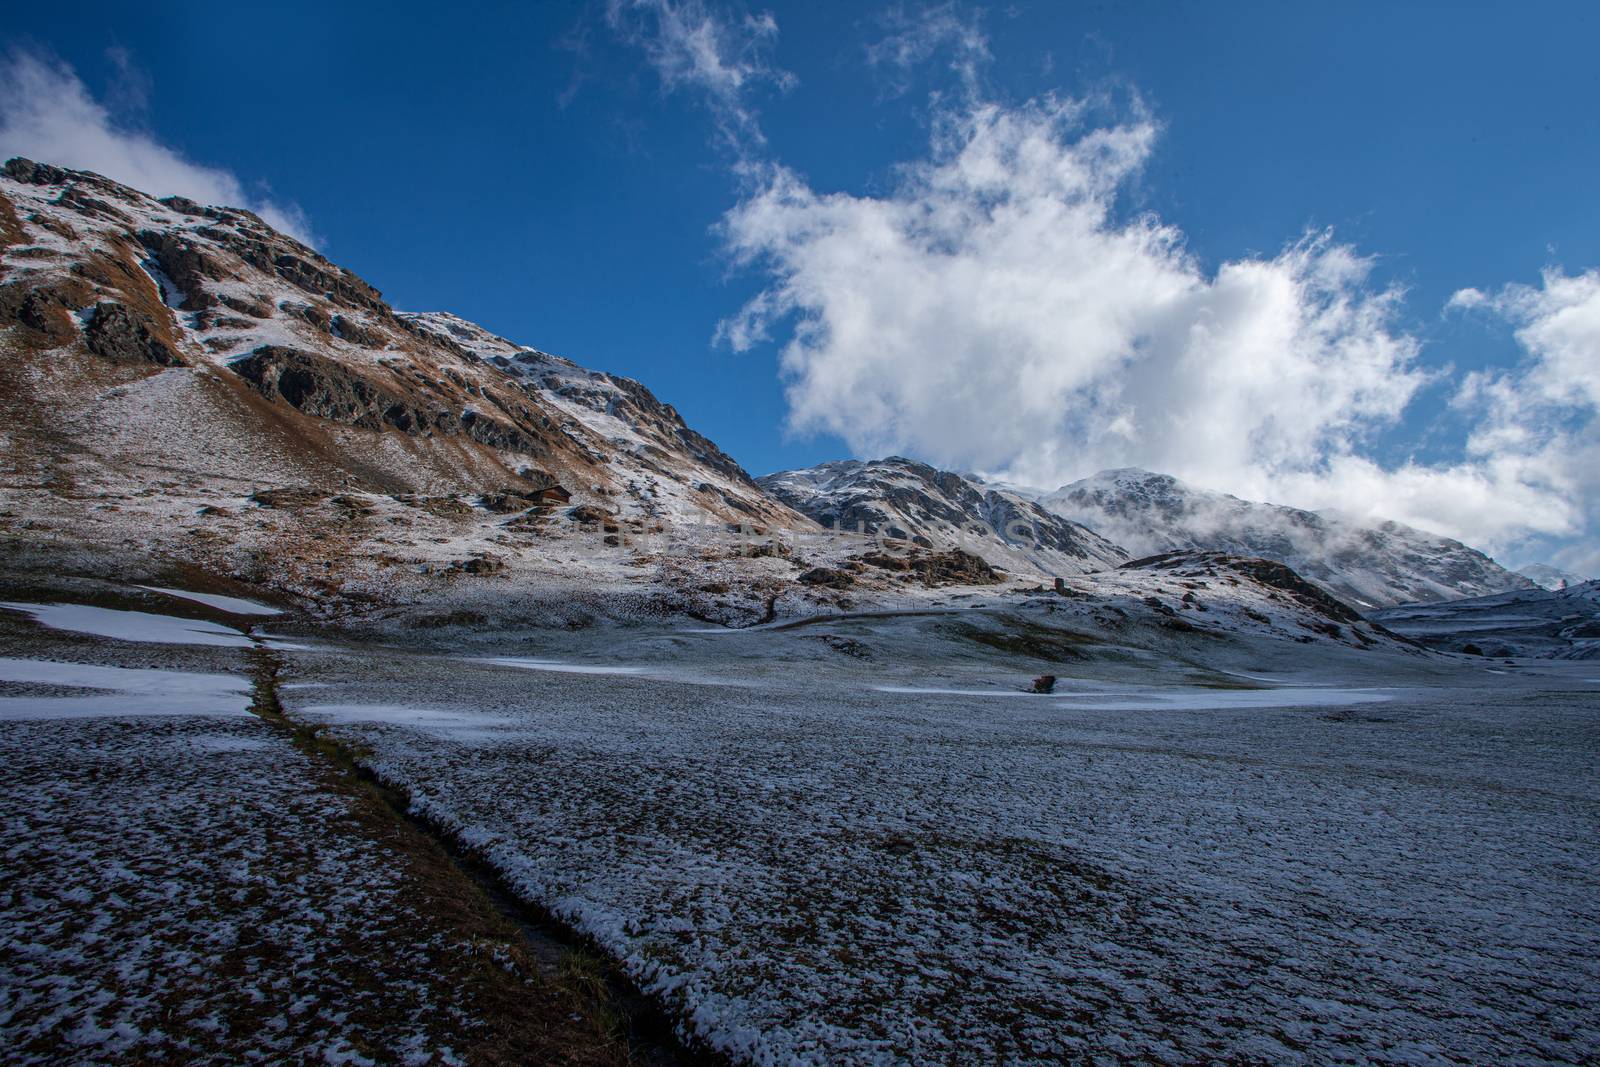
[
  {"x": 558, "y": 666},
  {"x": 131, "y": 691},
  {"x": 232, "y": 604},
  {"x": 131, "y": 625},
  {"x": 440, "y": 723},
  {"x": 955, "y": 692},
  {"x": 171, "y": 295}
]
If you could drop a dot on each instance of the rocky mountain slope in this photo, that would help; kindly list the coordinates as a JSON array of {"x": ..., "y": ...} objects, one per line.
[
  {"x": 1369, "y": 565},
  {"x": 1543, "y": 623},
  {"x": 901, "y": 498},
  {"x": 185, "y": 382}
]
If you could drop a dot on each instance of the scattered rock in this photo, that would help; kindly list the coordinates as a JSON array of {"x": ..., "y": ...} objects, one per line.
[
  {"x": 260, "y": 308},
  {"x": 504, "y": 503},
  {"x": 846, "y": 646},
  {"x": 288, "y": 497},
  {"x": 954, "y": 567},
  {"x": 827, "y": 577}
]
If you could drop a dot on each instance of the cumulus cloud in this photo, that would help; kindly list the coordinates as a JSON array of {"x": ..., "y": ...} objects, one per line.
[
  {"x": 993, "y": 312},
  {"x": 1538, "y": 424},
  {"x": 48, "y": 114},
  {"x": 719, "y": 55}
]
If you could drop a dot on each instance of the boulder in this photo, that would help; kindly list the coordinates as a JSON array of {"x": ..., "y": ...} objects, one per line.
[{"x": 826, "y": 577}]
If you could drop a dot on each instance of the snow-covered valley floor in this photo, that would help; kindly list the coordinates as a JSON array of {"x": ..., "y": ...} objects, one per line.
[
  {"x": 825, "y": 844},
  {"x": 825, "y": 858}
]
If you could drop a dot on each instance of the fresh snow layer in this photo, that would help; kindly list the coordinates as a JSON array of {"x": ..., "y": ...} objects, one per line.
[
  {"x": 955, "y": 692},
  {"x": 446, "y": 724},
  {"x": 232, "y": 604},
  {"x": 1151, "y": 698},
  {"x": 131, "y": 625},
  {"x": 1138, "y": 698},
  {"x": 814, "y": 871},
  {"x": 558, "y": 666},
  {"x": 130, "y": 692}
]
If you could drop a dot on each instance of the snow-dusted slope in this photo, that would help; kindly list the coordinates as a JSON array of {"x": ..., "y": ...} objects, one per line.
[
  {"x": 281, "y": 359},
  {"x": 1368, "y": 564},
  {"x": 1545, "y": 623},
  {"x": 898, "y": 497}
]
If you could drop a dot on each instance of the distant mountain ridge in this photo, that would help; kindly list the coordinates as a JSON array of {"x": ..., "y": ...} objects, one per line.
[
  {"x": 1369, "y": 565},
  {"x": 1539, "y": 623},
  {"x": 899, "y": 497},
  {"x": 1548, "y": 577}
]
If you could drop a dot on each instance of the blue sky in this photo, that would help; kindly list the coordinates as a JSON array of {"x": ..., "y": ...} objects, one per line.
[{"x": 547, "y": 171}]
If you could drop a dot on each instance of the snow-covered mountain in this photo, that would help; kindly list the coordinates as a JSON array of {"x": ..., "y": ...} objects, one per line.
[
  {"x": 287, "y": 363},
  {"x": 1544, "y": 623},
  {"x": 182, "y": 385},
  {"x": 1367, "y": 564},
  {"x": 1548, "y": 577},
  {"x": 898, "y": 497}
]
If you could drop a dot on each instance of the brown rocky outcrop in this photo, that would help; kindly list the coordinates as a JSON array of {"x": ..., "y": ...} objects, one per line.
[
  {"x": 121, "y": 334},
  {"x": 327, "y": 389}
]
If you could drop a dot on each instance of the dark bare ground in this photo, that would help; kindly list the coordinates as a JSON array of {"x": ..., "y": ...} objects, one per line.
[{"x": 192, "y": 889}]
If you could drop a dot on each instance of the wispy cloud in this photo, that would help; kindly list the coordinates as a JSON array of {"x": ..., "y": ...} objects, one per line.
[
  {"x": 48, "y": 114},
  {"x": 710, "y": 51},
  {"x": 913, "y": 39}
]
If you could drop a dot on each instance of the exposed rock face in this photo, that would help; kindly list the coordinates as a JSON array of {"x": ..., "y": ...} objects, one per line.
[
  {"x": 1367, "y": 564},
  {"x": 43, "y": 309},
  {"x": 187, "y": 265},
  {"x": 619, "y": 410},
  {"x": 318, "y": 386},
  {"x": 119, "y": 334},
  {"x": 30, "y": 173},
  {"x": 904, "y": 499}
]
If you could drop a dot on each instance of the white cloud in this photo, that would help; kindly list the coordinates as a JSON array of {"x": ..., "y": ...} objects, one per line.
[
  {"x": 47, "y": 114},
  {"x": 993, "y": 312},
  {"x": 694, "y": 47},
  {"x": 914, "y": 39},
  {"x": 1539, "y": 423}
]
